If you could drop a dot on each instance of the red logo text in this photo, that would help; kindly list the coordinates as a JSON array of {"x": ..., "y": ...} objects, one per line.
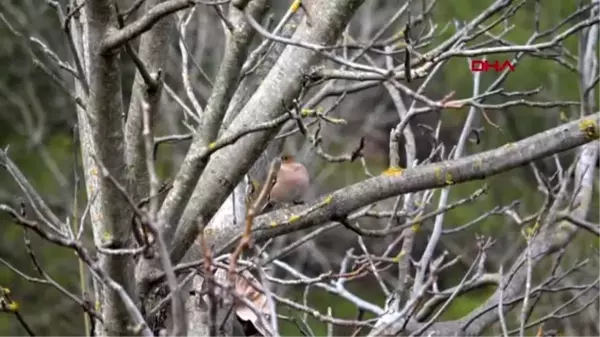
[{"x": 485, "y": 65}]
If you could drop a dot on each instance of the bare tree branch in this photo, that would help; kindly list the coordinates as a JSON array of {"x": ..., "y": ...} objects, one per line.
[
  {"x": 284, "y": 81},
  {"x": 101, "y": 133}
]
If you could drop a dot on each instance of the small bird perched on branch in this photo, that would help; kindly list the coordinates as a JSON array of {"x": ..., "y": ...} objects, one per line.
[
  {"x": 291, "y": 184},
  {"x": 546, "y": 332}
]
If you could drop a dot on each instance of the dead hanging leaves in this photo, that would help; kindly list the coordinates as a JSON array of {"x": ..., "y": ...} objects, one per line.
[
  {"x": 249, "y": 301},
  {"x": 247, "y": 286}
]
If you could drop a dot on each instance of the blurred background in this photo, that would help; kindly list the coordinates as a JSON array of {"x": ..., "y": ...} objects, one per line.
[{"x": 37, "y": 120}]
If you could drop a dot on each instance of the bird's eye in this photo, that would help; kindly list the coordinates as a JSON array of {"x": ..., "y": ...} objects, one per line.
[{"x": 285, "y": 157}]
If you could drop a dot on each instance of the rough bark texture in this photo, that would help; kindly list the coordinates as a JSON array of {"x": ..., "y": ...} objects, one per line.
[{"x": 100, "y": 129}]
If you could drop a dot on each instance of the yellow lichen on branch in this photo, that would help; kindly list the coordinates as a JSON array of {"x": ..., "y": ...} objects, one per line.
[
  {"x": 399, "y": 256},
  {"x": 6, "y": 302},
  {"x": 449, "y": 180},
  {"x": 296, "y": 5},
  {"x": 589, "y": 128},
  {"x": 393, "y": 171}
]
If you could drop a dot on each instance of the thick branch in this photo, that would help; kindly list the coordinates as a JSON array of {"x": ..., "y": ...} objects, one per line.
[
  {"x": 101, "y": 133},
  {"x": 479, "y": 166},
  {"x": 251, "y": 81},
  {"x": 283, "y": 83},
  {"x": 152, "y": 16},
  {"x": 152, "y": 54},
  {"x": 236, "y": 50}
]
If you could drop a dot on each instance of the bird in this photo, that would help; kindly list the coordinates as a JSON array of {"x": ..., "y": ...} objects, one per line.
[
  {"x": 291, "y": 183},
  {"x": 546, "y": 332}
]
